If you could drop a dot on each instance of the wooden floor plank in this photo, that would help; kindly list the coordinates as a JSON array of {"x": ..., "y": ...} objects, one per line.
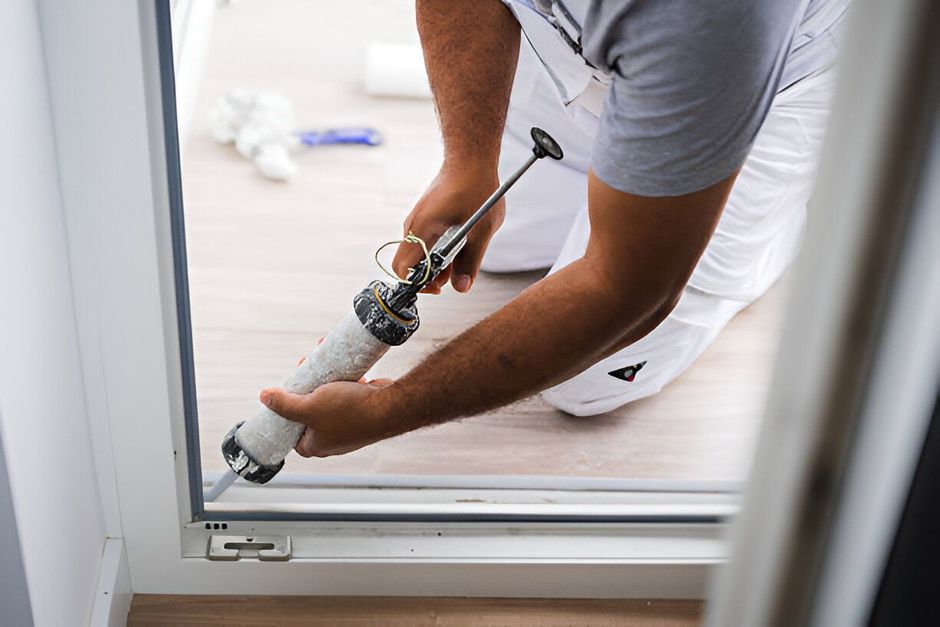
[{"x": 271, "y": 611}]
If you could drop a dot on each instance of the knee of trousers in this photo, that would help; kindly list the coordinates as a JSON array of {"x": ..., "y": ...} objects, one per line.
[
  {"x": 641, "y": 369},
  {"x": 502, "y": 256},
  {"x": 581, "y": 396},
  {"x": 506, "y": 255}
]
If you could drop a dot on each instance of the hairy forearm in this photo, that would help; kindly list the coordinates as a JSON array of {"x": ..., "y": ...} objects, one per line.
[
  {"x": 550, "y": 332},
  {"x": 639, "y": 257},
  {"x": 470, "y": 50}
]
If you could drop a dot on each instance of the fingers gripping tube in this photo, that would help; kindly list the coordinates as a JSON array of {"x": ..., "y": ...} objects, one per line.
[{"x": 256, "y": 448}]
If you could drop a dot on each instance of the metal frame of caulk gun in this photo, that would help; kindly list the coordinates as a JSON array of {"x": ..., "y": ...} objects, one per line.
[
  {"x": 384, "y": 316},
  {"x": 454, "y": 238}
]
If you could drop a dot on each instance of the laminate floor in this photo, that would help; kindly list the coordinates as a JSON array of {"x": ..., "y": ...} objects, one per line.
[
  {"x": 156, "y": 610},
  {"x": 273, "y": 266}
]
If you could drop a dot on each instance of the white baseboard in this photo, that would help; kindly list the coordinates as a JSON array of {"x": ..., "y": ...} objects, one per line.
[{"x": 113, "y": 593}]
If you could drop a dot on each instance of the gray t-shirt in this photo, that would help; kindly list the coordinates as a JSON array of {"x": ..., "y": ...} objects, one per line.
[{"x": 691, "y": 82}]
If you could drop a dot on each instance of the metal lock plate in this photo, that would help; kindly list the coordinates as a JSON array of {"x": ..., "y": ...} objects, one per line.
[{"x": 263, "y": 548}]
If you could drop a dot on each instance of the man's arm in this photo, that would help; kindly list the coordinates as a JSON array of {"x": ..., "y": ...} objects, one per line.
[
  {"x": 470, "y": 51},
  {"x": 639, "y": 257}
]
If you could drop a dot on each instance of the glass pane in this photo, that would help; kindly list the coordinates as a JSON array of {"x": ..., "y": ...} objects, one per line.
[{"x": 279, "y": 241}]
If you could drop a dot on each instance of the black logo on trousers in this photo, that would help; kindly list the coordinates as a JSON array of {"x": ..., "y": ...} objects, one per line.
[{"x": 627, "y": 374}]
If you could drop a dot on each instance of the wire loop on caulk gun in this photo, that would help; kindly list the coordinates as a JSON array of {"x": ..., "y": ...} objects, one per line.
[{"x": 411, "y": 238}]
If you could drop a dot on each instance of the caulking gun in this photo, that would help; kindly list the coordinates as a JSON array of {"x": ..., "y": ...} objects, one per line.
[{"x": 383, "y": 316}]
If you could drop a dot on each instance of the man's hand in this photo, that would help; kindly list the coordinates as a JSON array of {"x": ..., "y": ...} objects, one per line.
[
  {"x": 450, "y": 199},
  {"x": 340, "y": 417},
  {"x": 470, "y": 51}
]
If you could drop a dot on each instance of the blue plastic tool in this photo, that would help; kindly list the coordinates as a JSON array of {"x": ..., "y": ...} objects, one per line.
[{"x": 364, "y": 136}]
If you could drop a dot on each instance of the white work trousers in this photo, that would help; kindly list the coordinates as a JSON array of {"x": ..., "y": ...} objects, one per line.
[{"x": 757, "y": 237}]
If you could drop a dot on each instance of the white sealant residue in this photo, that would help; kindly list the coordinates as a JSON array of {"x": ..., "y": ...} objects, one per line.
[{"x": 346, "y": 354}]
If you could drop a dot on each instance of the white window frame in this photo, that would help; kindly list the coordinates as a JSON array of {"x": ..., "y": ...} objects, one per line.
[
  {"x": 845, "y": 429},
  {"x": 106, "y": 95},
  {"x": 104, "y": 78}
]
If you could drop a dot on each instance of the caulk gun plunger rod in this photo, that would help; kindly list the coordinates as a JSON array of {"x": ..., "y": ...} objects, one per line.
[
  {"x": 486, "y": 206},
  {"x": 544, "y": 146}
]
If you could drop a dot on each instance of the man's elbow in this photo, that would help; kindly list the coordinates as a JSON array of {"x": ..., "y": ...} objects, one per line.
[
  {"x": 641, "y": 314},
  {"x": 655, "y": 314},
  {"x": 654, "y": 298},
  {"x": 637, "y": 300},
  {"x": 658, "y": 309},
  {"x": 669, "y": 302}
]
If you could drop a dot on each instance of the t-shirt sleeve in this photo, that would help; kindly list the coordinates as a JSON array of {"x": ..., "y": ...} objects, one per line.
[{"x": 691, "y": 83}]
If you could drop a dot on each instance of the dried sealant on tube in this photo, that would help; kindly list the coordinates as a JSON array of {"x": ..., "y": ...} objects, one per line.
[{"x": 383, "y": 316}]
